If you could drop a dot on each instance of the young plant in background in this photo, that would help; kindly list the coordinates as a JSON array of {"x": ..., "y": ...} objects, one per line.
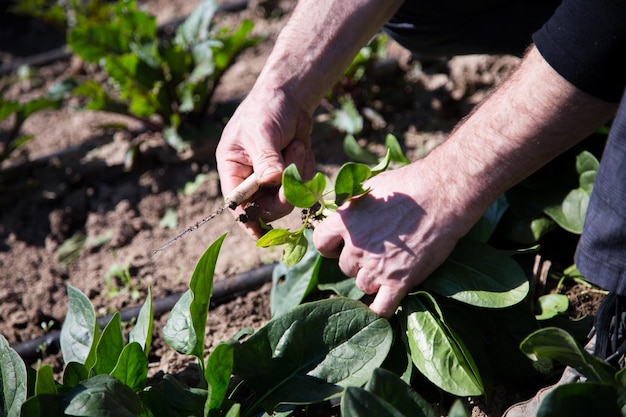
[{"x": 165, "y": 83}]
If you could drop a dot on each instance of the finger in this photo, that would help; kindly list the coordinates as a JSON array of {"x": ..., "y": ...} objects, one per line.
[
  {"x": 387, "y": 300},
  {"x": 328, "y": 236},
  {"x": 268, "y": 163}
]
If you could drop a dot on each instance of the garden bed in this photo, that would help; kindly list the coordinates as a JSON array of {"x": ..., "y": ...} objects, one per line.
[{"x": 70, "y": 184}]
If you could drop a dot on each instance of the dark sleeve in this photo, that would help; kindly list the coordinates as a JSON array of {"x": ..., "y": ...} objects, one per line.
[{"x": 585, "y": 42}]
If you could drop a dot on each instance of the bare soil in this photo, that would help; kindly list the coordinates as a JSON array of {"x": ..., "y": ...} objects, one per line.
[{"x": 70, "y": 181}]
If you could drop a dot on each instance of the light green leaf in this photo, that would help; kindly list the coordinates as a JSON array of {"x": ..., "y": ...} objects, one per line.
[
  {"x": 275, "y": 237},
  {"x": 357, "y": 153},
  {"x": 291, "y": 284},
  {"x": 79, "y": 333},
  {"x": 347, "y": 118},
  {"x": 184, "y": 330},
  {"x": 13, "y": 377},
  {"x": 302, "y": 193},
  {"x": 436, "y": 350},
  {"x": 169, "y": 219},
  {"x": 295, "y": 249},
  {"x": 349, "y": 181},
  {"x": 551, "y": 305},
  {"x": 142, "y": 332},
  {"x": 195, "y": 28},
  {"x": 395, "y": 150},
  {"x": 309, "y": 353},
  {"x": 477, "y": 274},
  {"x": 556, "y": 343}
]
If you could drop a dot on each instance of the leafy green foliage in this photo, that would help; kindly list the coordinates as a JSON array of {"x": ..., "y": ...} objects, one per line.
[
  {"x": 603, "y": 392},
  {"x": 149, "y": 76},
  {"x": 12, "y": 380}
]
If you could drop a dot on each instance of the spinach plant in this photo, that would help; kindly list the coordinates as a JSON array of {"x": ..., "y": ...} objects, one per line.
[
  {"x": 165, "y": 83},
  {"x": 601, "y": 390}
]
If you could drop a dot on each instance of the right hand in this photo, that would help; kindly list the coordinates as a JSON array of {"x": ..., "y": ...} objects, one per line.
[{"x": 266, "y": 133}]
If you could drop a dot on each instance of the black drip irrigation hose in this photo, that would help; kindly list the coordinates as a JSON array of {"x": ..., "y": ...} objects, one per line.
[
  {"x": 223, "y": 290},
  {"x": 63, "y": 52}
]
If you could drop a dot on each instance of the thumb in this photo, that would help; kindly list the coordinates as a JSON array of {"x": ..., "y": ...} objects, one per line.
[{"x": 387, "y": 300}]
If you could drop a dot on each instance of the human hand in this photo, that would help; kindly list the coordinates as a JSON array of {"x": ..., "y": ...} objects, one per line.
[
  {"x": 393, "y": 237},
  {"x": 266, "y": 133}
]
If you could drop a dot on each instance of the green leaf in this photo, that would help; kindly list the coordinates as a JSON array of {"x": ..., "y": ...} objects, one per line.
[
  {"x": 570, "y": 215},
  {"x": 131, "y": 368},
  {"x": 275, "y": 237},
  {"x": 395, "y": 150},
  {"x": 555, "y": 343},
  {"x": 347, "y": 118},
  {"x": 291, "y": 284},
  {"x": 109, "y": 346},
  {"x": 218, "y": 374},
  {"x": 103, "y": 396},
  {"x": 7, "y": 108},
  {"x": 436, "y": 350},
  {"x": 295, "y": 249},
  {"x": 74, "y": 373},
  {"x": 93, "y": 43},
  {"x": 196, "y": 27},
  {"x": 184, "y": 330},
  {"x": 302, "y": 193},
  {"x": 142, "y": 332},
  {"x": 486, "y": 225},
  {"x": 331, "y": 278},
  {"x": 458, "y": 410},
  {"x": 45, "y": 405},
  {"x": 394, "y": 391},
  {"x": 12, "y": 380},
  {"x": 79, "y": 333},
  {"x": 357, "y": 402},
  {"x": 550, "y": 305},
  {"x": 354, "y": 151},
  {"x": 44, "y": 382},
  {"x": 582, "y": 399},
  {"x": 307, "y": 354},
  {"x": 477, "y": 274},
  {"x": 349, "y": 181},
  {"x": 169, "y": 219}
]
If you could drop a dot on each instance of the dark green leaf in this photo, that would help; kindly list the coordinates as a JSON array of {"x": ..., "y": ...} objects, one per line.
[
  {"x": 477, "y": 274},
  {"x": 74, "y": 373},
  {"x": 394, "y": 391},
  {"x": 93, "y": 43},
  {"x": 131, "y": 368},
  {"x": 307, "y": 354},
  {"x": 581, "y": 399},
  {"x": 486, "y": 225},
  {"x": 46, "y": 405},
  {"x": 357, "y": 402},
  {"x": 79, "y": 334},
  {"x": 436, "y": 350},
  {"x": 184, "y": 330},
  {"x": 12, "y": 380},
  {"x": 218, "y": 374},
  {"x": 349, "y": 181},
  {"x": 103, "y": 396},
  {"x": 302, "y": 193},
  {"x": 555, "y": 343},
  {"x": 44, "y": 383},
  {"x": 331, "y": 278},
  {"x": 109, "y": 346},
  {"x": 7, "y": 108}
]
